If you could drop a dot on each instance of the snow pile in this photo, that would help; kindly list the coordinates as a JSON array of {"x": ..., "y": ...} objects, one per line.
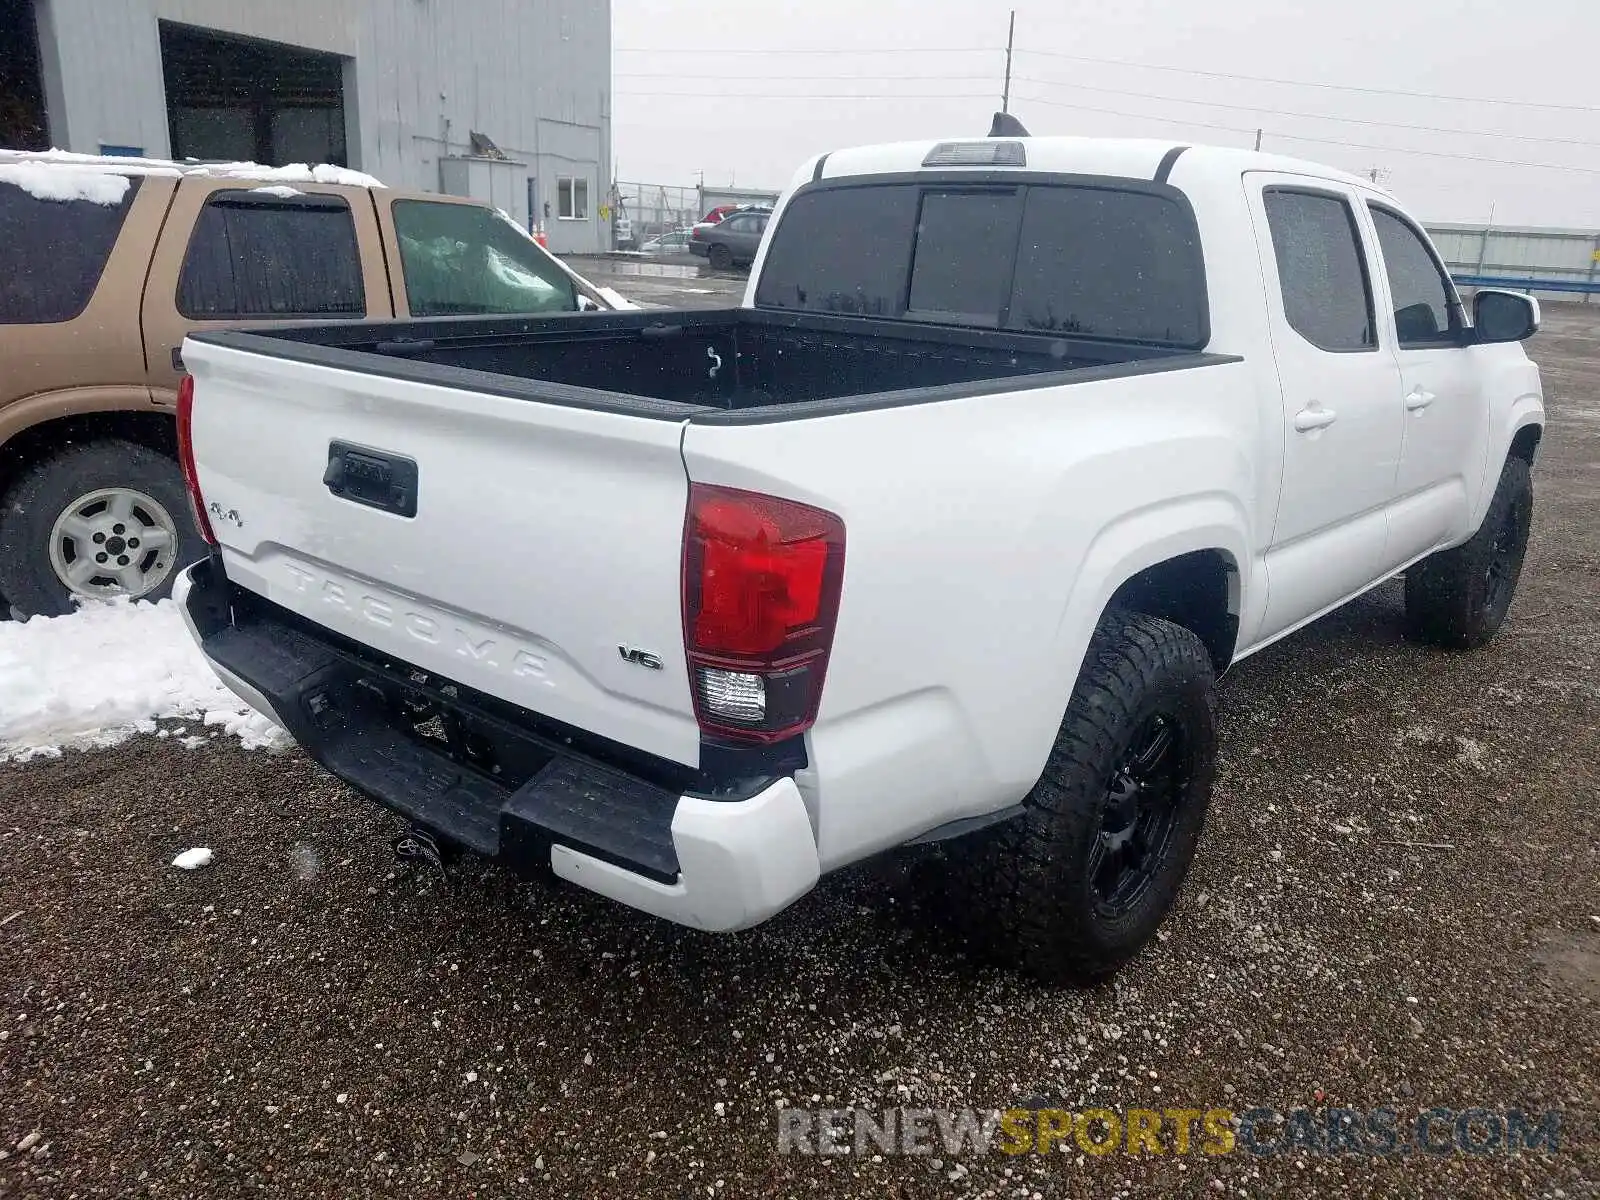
[
  {"x": 126, "y": 166},
  {"x": 193, "y": 860},
  {"x": 293, "y": 173},
  {"x": 114, "y": 164},
  {"x": 615, "y": 298},
  {"x": 281, "y": 190},
  {"x": 107, "y": 672},
  {"x": 64, "y": 183}
]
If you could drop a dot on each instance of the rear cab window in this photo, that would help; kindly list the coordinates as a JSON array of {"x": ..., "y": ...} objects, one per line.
[
  {"x": 1113, "y": 259},
  {"x": 58, "y": 229},
  {"x": 459, "y": 259},
  {"x": 263, "y": 253}
]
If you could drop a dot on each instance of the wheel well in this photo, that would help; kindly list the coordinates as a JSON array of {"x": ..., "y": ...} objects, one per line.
[
  {"x": 154, "y": 430},
  {"x": 1526, "y": 444},
  {"x": 1198, "y": 590}
]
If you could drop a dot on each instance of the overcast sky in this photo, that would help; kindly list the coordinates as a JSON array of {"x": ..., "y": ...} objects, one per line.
[{"x": 745, "y": 91}]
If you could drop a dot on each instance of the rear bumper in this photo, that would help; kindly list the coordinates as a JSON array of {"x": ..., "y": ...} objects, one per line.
[{"x": 502, "y": 785}]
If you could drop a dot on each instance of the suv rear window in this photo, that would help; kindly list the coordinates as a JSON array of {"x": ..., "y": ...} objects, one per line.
[
  {"x": 53, "y": 252},
  {"x": 255, "y": 254},
  {"x": 1100, "y": 260}
]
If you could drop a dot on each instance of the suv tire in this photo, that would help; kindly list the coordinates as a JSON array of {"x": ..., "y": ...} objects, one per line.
[
  {"x": 1459, "y": 598},
  {"x": 44, "y": 494},
  {"x": 1078, "y": 883}
]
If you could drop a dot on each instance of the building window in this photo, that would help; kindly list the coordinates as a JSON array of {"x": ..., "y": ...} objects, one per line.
[
  {"x": 257, "y": 255},
  {"x": 572, "y": 199}
]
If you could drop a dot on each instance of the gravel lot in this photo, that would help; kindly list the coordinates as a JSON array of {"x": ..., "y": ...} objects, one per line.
[{"x": 305, "y": 1018}]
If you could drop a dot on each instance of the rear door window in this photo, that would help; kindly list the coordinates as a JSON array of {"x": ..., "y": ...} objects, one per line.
[
  {"x": 464, "y": 259},
  {"x": 1096, "y": 261},
  {"x": 56, "y": 249},
  {"x": 1327, "y": 297},
  {"x": 256, "y": 254}
]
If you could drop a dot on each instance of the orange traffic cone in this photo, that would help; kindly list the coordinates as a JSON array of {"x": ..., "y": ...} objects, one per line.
[{"x": 538, "y": 235}]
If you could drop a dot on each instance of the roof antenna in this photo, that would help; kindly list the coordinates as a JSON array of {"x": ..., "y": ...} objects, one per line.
[{"x": 1005, "y": 125}]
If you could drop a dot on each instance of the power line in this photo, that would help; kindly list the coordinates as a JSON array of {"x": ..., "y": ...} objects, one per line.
[
  {"x": 1114, "y": 62},
  {"x": 794, "y": 50},
  {"x": 1161, "y": 119},
  {"x": 815, "y": 95},
  {"x": 874, "y": 77},
  {"x": 1141, "y": 95},
  {"x": 1294, "y": 137},
  {"x": 1283, "y": 112},
  {"x": 1337, "y": 87}
]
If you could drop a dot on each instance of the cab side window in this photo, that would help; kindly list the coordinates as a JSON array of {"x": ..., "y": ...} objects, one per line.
[
  {"x": 259, "y": 254},
  {"x": 1426, "y": 309},
  {"x": 1327, "y": 296}
]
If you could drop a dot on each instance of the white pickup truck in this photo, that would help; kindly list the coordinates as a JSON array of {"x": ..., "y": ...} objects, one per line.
[{"x": 1015, "y": 445}]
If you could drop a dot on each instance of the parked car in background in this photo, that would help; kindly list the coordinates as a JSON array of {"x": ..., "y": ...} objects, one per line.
[
  {"x": 733, "y": 241},
  {"x": 105, "y": 265},
  {"x": 672, "y": 242},
  {"x": 716, "y": 215}
]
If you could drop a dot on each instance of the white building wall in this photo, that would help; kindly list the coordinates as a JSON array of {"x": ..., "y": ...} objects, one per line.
[{"x": 533, "y": 75}]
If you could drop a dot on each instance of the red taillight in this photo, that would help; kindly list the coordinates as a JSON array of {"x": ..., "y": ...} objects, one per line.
[
  {"x": 191, "y": 478},
  {"x": 761, "y": 580}
]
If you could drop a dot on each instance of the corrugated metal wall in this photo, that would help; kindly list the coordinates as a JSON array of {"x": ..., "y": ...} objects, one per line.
[
  {"x": 1522, "y": 253},
  {"x": 533, "y": 75}
]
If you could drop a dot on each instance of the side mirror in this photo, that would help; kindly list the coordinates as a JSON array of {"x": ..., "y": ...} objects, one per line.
[{"x": 1501, "y": 316}]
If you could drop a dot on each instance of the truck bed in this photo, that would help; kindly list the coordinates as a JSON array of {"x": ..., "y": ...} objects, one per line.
[{"x": 718, "y": 366}]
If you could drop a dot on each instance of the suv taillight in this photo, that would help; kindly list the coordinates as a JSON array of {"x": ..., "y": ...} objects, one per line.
[
  {"x": 761, "y": 581},
  {"x": 191, "y": 478}
]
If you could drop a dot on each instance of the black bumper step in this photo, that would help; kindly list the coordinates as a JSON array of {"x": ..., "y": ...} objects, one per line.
[
  {"x": 360, "y": 719},
  {"x": 624, "y": 819}
]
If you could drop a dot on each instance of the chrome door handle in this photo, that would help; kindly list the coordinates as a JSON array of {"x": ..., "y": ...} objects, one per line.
[
  {"x": 1418, "y": 398},
  {"x": 1315, "y": 417}
]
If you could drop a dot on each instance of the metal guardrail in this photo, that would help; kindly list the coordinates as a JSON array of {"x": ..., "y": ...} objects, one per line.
[{"x": 1588, "y": 287}]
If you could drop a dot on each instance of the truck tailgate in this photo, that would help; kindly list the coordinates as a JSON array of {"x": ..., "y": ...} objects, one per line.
[{"x": 536, "y": 558}]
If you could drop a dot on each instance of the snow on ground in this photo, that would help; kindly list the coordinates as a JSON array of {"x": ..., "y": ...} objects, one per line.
[
  {"x": 193, "y": 860},
  {"x": 107, "y": 672},
  {"x": 65, "y": 183}
]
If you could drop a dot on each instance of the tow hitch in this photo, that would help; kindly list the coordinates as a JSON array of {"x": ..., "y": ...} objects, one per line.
[{"x": 418, "y": 846}]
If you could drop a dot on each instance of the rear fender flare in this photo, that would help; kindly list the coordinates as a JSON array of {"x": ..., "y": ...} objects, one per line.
[
  {"x": 1132, "y": 543},
  {"x": 22, "y": 415}
]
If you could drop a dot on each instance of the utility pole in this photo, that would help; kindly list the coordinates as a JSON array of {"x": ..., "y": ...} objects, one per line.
[
  {"x": 1011, "y": 35},
  {"x": 1258, "y": 139}
]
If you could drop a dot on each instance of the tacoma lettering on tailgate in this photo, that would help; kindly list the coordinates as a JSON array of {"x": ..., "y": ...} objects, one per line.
[{"x": 388, "y": 612}]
